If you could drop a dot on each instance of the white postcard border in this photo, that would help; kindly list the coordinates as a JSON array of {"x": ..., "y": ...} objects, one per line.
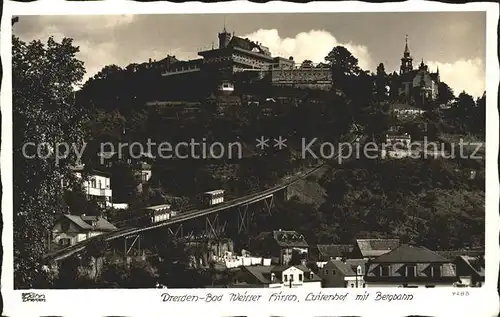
[{"x": 436, "y": 302}]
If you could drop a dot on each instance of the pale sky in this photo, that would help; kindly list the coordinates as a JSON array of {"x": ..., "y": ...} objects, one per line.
[{"x": 454, "y": 41}]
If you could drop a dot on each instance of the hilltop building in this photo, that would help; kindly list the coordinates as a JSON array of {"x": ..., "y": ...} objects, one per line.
[
  {"x": 235, "y": 54},
  {"x": 416, "y": 85}
]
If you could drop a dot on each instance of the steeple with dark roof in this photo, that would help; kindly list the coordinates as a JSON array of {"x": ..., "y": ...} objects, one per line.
[
  {"x": 224, "y": 37},
  {"x": 406, "y": 61}
]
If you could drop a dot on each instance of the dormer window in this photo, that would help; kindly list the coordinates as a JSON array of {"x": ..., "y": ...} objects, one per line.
[
  {"x": 436, "y": 270},
  {"x": 384, "y": 270},
  {"x": 411, "y": 271}
]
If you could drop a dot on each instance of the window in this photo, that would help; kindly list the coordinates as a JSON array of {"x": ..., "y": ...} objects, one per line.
[
  {"x": 291, "y": 277},
  {"x": 334, "y": 272},
  {"x": 285, "y": 278},
  {"x": 300, "y": 277},
  {"x": 352, "y": 285},
  {"x": 384, "y": 270},
  {"x": 64, "y": 242},
  {"x": 411, "y": 271},
  {"x": 326, "y": 271},
  {"x": 93, "y": 183},
  {"x": 436, "y": 271},
  {"x": 100, "y": 184}
]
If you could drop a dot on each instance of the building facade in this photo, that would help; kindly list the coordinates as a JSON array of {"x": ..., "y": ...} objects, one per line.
[
  {"x": 416, "y": 86},
  {"x": 235, "y": 54},
  {"x": 410, "y": 266},
  {"x": 71, "y": 229},
  {"x": 346, "y": 273},
  {"x": 288, "y": 276},
  {"x": 281, "y": 246},
  {"x": 97, "y": 186}
]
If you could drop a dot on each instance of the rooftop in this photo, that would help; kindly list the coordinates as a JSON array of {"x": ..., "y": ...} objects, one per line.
[
  {"x": 376, "y": 247},
  {"x": 406, "y": 253},
  {"x": 263, "y": 273},
  {"x": 348, "y": 267},
  {"x": 334, "y": 250},
  {"x": 85, "y": 222}
]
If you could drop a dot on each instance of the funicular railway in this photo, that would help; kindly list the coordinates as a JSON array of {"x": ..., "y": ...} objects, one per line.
[{"x": 240, "y": 204}]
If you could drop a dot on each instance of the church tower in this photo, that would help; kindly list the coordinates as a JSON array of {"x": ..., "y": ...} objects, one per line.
[
  {"x": 224, "y": 38},
  {"x": 406, "y": 61}
]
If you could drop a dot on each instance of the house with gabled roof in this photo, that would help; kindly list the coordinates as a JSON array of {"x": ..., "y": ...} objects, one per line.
[
  {"x": 280, "y": 245},
  {"x": 470, "y": 270},
  {"x": 343, "y": 273},
  {"x": 371, "y": 248},
  {"x": 71, "y": 229},
  {"x": 410, "y": 266},
  {"x": 279, "y": 276},
  {"x": 327, "y": 252}
]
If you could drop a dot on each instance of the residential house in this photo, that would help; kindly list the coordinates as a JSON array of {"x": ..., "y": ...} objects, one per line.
[
  {"x": 327, "y": 252},
  {"x": 71, "y": 229},
  {"x": 347, "y": 273},
  {"x": 96, "y": 186},
  {"x": 410, "y": 266},
  {"x": 142, "y": 175},
  {"x": 371, "y": 248},
  {"x": 280, "y": 245},
  {"x": 470, "y": 271},
  {"x": 281, "y": 276}
]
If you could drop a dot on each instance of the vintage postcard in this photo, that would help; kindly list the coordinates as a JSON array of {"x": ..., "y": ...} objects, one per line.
[{"x": 240, "y": 159}]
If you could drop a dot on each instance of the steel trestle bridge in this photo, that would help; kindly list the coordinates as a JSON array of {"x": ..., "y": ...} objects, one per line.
[{"x": 241, "y": 204}]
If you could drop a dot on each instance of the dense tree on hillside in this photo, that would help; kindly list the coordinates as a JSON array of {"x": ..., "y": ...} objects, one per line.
[
  {"x": 43, "y": 76},
  {"x": 342, "y": 62},
  {"x": 381, "y": 82},
  {"x": 445, "y": 93},
  {"x": 307, "y": 64}
]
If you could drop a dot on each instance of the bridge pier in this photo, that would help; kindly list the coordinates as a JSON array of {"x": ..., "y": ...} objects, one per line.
[{"x": 136, "y": 242}]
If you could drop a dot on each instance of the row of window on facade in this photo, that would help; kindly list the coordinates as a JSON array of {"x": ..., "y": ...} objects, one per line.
[{"x": 411, "y": 270}]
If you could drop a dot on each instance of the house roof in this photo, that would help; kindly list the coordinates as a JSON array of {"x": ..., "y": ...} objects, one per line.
[
  {"x": 349, "y": 267},
  {"x": 452, "y": 254},
  {"x": 376, "y": 247},
  {"x": 334, "y": 250},
  {"x": 247, "y": 44},
  {"x": 475, "y": 264},
  {"x": 289, "y": 239},
  {"x": 410, "y": 254},
  {"x": 83, "y": 223},
  {"x": 263, "y": 273}
]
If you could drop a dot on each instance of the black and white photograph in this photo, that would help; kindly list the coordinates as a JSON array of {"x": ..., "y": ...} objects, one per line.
[{"x": 324, "y": 151}]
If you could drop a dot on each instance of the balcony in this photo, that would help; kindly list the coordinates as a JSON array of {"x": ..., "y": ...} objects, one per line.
[{"x": 105, "y": 192}]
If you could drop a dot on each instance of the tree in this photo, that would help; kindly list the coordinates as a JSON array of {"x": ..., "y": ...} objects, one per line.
[
  {"x": 445, "y": 93},
  {"x": 381, "y": 82},
  {"x": 43, "y": 76},
  {"x": 342, "y": 62},
  {"x": 307, "y": 64}
]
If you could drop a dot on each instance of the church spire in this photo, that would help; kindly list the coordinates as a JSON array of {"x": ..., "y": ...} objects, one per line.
[
  {"x": 407, "y": 50},
  {"x": 406, "y": 61}
]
